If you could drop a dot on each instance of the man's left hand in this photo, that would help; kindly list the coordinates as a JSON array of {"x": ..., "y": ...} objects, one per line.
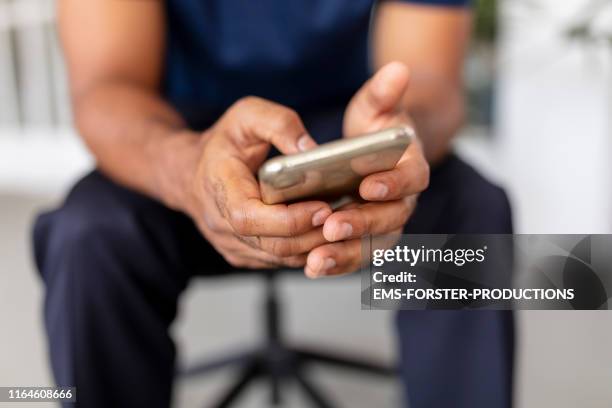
[{"x": 390, "y": 196}]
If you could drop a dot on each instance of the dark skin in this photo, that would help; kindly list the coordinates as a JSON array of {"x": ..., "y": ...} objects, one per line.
[{"x": 114, "y": 50}]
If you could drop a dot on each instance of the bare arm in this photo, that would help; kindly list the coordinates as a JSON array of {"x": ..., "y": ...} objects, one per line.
[
  {"x": 114, "y": 51},
  {"x": 418, "y": 55},
  {"x": 431, "y": 41}
]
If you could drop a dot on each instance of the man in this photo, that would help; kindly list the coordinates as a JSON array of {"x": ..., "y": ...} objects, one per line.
[{"x": 160, "y": 91}]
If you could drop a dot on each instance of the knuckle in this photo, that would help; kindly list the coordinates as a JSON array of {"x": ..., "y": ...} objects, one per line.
[
  {"x": 403, "y": 218},
  {"x": 354, "y": 261},
  {"x": 246, "y": 102},
  {"x": 375, "y": 223},
  {"x": 290, "y": 221},
  {"x": 362, "y": 220},
  {"x": 406, "y": 211},
  {"x": 354, "y": 266},
  {"x": 239, "y": 221},
  {"x": 294, "y": 262},
  {"x": 234, "y": 261},
  {"x": 280, "y": 248},
  {"x": 286, "y": 119},
  {"x": 253, "y": 242},
  {"x": 423, "y": 176},
  {"x": 411, "y": 203},
  {"x": 213, "y": 223},
  {"x": 392, "y": 183},
  {"x": 292, "y": 225}
]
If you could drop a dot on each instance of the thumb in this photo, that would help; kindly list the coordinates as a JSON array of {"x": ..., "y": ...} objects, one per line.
[
  {"x": 263, "y": 120},
  {"x": 380, "y": 94}
]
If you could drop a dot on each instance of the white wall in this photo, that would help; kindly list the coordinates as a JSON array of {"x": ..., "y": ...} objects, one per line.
[
  {"x": 43, "y": 161},
  {"x": 553, "y": 148},
  {"x": 554, "y": 130}
]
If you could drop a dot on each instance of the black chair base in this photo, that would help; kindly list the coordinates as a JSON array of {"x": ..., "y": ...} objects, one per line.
[{"x": 278, "y": 363}]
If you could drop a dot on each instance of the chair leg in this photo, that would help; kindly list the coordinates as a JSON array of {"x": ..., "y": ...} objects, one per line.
[
  {"x": 275, "y": 390},
  {"x": 249, "y": 374},
  {"x": 241, "y": 359},
  {"x": 346, "y": 362},
  {"x": 315, "y": 396}
]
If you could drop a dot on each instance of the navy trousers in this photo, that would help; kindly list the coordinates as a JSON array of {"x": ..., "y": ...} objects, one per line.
[{"x": 114, "y": 263}]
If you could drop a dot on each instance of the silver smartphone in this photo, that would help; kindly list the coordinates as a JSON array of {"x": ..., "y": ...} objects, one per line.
[{"x": 333, "y": 169}]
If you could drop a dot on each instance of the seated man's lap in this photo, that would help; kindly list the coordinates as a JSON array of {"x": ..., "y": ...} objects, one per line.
[
  {"x": 458, "y": 200},
  {"x": 98, "y": 211},
  {"x": 114, "y": 263},
  {"x": 160, "y": 249}
]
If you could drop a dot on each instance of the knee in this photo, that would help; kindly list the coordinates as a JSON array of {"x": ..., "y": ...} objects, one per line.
[
  {"x": 80, "y": 243},
  {"x": 478, "y": 205},
  {"x": 489, "y": 209},
  {"x": 79, "y": 253}
]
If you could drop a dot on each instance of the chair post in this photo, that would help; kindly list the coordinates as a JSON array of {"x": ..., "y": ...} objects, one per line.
[
  {"x": 272, "y": 310},
  {"x": 276, "y": 361},
  {"x": 275, "y": 351}
]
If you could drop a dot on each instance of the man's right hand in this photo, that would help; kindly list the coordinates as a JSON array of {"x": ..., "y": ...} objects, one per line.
[{"x": 223, "y": 197}]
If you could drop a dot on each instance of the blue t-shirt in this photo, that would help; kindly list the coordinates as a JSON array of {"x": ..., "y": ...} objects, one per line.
[{"x": 311, "y": 55}]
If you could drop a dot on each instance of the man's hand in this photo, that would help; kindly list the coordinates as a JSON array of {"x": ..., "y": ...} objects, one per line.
[
  {"x": 390, "y": 196},
  {"x": 224, "y": 198}
]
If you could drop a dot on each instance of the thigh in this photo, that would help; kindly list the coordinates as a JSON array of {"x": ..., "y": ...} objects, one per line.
[
  {"x": 137, "y": 227},
  {"x": 467, "y": 353},
  {"x": 114, "y": 263},
  {"x": 461, "y": 201}
]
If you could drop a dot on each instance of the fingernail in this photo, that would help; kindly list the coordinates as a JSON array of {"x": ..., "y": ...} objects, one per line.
[
  {"x": 379, "y": 190},
  {"x": 326, "y": 265},
  {"x": 305, "y": 143},
  {"x": 344, "y": 231},
  {"x": 320, "y": 216},
  {"x": 310, "y": 273}
]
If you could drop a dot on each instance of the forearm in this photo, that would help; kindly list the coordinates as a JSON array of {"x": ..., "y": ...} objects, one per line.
[
  {"x": 432, "y": 42},
  {"x": 438, "y": 110},
  {"x": 138, "y": 140}
]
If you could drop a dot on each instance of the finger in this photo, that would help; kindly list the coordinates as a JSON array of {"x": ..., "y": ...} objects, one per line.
[
  {"x": 240, "y": 252},
  {"x": 248, "y": 262},
  {"x": 291, "y": 246},
  {"x": 410, "y": 176},
  {"x": 273, "y": 123},
  {"x": 259, "y": 261},
  {"x": 254, "y": 262},
  {"x": 237, "y": 197},
  {"x": 334, "y": 259},
  {"x": 339, "y": 258},
  {"x": 298, "y": 261},
  {"x": 241, "y": 255},
  {"x": 263, "y": 260},
  {"x": 369, "y": 219},
  {"x": 380, "y": 94},
  {"x": 286, "y": 246}
]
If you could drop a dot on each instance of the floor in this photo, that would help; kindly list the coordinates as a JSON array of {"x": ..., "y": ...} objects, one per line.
[{"x": 565, "y": 358}]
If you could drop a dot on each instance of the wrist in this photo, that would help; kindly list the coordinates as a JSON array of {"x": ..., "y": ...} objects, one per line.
[{"x": 177, "y": 163}]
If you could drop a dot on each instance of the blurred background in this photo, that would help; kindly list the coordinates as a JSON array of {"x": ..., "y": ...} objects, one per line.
[{"x": 540, "y": 100}]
